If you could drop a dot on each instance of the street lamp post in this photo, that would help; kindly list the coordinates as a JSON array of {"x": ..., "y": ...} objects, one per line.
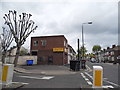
[{"x": 83, "y": 39}]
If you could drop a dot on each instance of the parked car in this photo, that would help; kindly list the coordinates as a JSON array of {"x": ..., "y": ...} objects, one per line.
[
  {"x": 117, "y": 61},
  {"x": 93, "y": 60}
]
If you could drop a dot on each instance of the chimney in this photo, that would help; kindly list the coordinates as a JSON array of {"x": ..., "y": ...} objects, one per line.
[
  {"x": 113, "y": 46},
  {"x": 108, "y": 47},
  {"x": 103, "y": 49}
]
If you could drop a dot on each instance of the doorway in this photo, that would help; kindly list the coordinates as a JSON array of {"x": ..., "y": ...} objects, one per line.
[{"x": 50, "y": 59}]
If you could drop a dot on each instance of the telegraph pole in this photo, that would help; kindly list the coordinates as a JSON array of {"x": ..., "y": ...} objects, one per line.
[{"x": 78, "y": 51}]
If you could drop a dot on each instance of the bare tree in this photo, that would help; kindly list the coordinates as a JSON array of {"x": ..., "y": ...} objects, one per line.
[
  {"x": 6, "y": 39},
  {"x": 21, "y": 28}
]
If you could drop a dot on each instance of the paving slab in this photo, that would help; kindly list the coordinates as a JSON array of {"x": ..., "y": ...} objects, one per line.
[{"x": 13, "y": 85}]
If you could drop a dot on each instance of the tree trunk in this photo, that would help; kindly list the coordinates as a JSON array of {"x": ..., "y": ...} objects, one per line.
[
  {"x": 3, "y": 57},
  {"x": 17, "y": 56}
]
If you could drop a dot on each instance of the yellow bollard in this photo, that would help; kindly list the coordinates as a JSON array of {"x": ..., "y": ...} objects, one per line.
[
  {"x": 7, "y": 74},
  {"x": 0, "y": 75},
  {"x": 97, "y": 77}
]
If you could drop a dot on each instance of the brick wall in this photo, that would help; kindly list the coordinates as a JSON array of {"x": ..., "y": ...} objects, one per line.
[{"x": 46, "y": 53}]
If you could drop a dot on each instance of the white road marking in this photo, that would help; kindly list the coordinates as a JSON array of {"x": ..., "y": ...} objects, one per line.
[
  {"x": 25, "y": 83},
  {"x": 86, "y": 79},
  {"x": 88, "y": 67},
  {"x": 83, "y": 75},
  {"x": 21, "y": 82},
  {"x": 90, "y": 83},
  {"x": 89, "y": 75},
  {"x": 111, "y": 83},
  {"x": 45, "y": 77},
  {"x": 104, "y": 79},
  {"x": 108, "y": 86}
]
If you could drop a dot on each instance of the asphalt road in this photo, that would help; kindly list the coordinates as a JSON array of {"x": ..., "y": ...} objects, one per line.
[
  {"x": 110, "y": 73},
  {"x": 51, "y": 81},
  {"x": 81, "y": 79}
]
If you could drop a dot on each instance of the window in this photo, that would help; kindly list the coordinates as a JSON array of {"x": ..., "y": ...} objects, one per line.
[
  {"x": 50, "y": 59},
  {"x": 40, "y": 59},
  {"x": 112, "y": 53},
  {"x": 35, "y": 43},
  {"x": 43, "y": 42},
  {"x": 64, "y": 43}
]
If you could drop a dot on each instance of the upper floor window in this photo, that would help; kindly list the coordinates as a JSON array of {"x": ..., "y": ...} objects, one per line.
[
  {"x": 112, "y": 53},
  {"x": 65, "y": 43},
  {"x": 43, "y": 42},
  {"x": 35, "y": 43}
]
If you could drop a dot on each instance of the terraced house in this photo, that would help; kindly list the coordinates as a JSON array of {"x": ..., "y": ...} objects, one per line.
[{"x": 110, "y": 54}]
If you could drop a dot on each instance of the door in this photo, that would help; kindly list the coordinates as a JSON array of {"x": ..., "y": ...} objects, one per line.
[{"x": 50, "y": 59}]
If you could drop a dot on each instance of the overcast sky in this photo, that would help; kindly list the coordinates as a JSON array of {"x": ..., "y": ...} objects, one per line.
[{"x": 66, "y": 18}]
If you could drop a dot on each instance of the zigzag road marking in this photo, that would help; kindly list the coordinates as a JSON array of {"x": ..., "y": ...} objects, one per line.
[
  {"x": 105, "y": 80},
  {"x": 86, "y": 79},
  {"x": 88, "y": 68}
]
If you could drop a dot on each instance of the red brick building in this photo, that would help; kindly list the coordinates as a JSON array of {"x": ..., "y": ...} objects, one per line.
[{"x": 50, "y": 49}]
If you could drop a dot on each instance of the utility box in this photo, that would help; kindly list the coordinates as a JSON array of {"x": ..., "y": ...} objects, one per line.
[
  {"x": 7, "y": 74},
  {"x": 0, "y": 75},
  {"x": 97, "y": 77}
]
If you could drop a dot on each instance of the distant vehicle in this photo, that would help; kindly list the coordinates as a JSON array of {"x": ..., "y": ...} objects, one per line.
[
  {"x": 117, "y": 61},
  {"x": 93, "y": 60}
]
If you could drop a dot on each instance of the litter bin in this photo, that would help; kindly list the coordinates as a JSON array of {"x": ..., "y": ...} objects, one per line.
[
  {"x": 29, "y": 62},
  {"x": 75, "y": 65}
]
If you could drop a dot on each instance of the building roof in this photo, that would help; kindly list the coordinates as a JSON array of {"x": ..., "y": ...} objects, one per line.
[
  {"x": 71, "y": 48},
  {"x": 49, "y": 36}
]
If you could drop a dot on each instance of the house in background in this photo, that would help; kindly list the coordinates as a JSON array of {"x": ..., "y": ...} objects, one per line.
[
  {"x": 71, "y": 54},
  {"x": 109, "y": 54},
  {"x": 50, "y": 49},
  {"x": 24, "y": 56},
  {"x": 12, "y": 51}
]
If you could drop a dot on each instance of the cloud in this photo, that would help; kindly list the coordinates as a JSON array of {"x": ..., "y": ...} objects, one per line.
[{"x": 67, "y": 17}]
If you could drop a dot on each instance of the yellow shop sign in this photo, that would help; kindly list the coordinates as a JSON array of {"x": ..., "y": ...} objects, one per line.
[{"x": 58, "y": 49}]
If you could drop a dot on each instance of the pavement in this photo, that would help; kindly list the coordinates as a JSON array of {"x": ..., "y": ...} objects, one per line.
[{"x": 13, "y": 85}]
